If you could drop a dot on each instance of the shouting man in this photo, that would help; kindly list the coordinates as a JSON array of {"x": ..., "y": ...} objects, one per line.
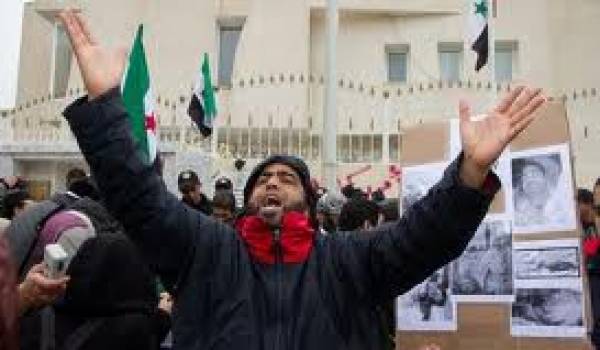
[{"x": 272, "y": 283}]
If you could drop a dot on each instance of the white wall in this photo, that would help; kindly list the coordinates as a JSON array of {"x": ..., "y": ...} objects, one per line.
[{"x": 11, "y": 16}]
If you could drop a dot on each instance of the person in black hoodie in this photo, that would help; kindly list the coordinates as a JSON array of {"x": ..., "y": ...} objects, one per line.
[
  {"x": 272, "y": 283},
  {"x": 110, "y": 301}
]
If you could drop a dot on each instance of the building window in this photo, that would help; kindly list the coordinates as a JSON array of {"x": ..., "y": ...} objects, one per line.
[
  {"x": 343, "y": 148},
  {"x": 356, "y": 148},
  {"x": 245, "y": 142},
  {"x": 367, "y": 148},
  {"x": 234, "y": 142},
  {"x": 255, "y": 142},
  {"x": 229, "y": 36},
  {"x": 286, "y": 136},
  {"x": 505, "y": 60},
  {"x": 377, "y": 148},
  {"x": 296, "y": 142},
  {"x": 305, "y": 144},
  {"x": 274, "y": 141},
  {"x": 451, "y": 56},
  {"x": 394, "y": 142},
  {"x": 397, "y": 63},
  {"x": 61, "y": 62},
  {"x": 316, "y": 146}
]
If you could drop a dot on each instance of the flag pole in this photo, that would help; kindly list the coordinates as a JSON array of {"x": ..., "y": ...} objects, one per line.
[
  {"x": 491, "y": 40},
  {"x": 329, "y": 108}
]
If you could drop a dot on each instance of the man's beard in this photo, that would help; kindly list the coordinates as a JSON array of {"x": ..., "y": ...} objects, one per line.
[{"x": 274, "y": 215}]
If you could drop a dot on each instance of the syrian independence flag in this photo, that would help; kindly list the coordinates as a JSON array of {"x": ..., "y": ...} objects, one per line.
[
  {"x": 138, "y": 100},
  {"x": 203, "y": 108},
  {"x": 478, "y": 31}
]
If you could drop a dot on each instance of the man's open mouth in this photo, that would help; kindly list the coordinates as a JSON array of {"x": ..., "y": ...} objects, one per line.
[{"x": 272, "y": 201}]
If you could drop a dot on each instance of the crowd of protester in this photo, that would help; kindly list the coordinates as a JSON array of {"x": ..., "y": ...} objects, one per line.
[
  {"x": 107, "y": 277},
  {"x": 108, "y": 297}
]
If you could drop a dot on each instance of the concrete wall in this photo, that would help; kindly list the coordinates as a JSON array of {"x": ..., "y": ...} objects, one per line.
[
  {"x": 177, "y": 36},
  {"x": 11, "y": 18},
  {"x": 272, "y": 45},
  {"x": 575, "y": 46}
]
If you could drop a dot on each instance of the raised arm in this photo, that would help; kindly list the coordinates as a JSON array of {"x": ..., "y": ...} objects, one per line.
[
  {"x": 392, "y": 259},
  {"x": 169, "y": 234}
]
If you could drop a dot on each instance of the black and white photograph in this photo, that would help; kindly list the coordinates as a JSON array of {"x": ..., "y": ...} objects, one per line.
[
  {"x": 541, "y": 183},
  {"x": 547, "y": 259},
  {"x": 547, "y": 312},
  {"x": 483, "y": 273},
  {"x": 428, "y": 306},
  {"x": 417, "y": 180}
]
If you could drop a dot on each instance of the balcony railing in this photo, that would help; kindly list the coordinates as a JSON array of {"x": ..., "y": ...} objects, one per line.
[{"x": 370, "y": 117}]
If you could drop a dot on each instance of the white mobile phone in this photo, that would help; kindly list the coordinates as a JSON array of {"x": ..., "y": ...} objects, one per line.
[{"x": 55, "y": 259}]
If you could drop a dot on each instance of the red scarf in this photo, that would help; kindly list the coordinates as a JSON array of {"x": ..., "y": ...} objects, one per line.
[
  {"x": 296, "y": 238},
  {"x": 590, "y": 246}
]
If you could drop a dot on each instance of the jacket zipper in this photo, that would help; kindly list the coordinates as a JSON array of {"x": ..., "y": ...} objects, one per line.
[{"x": 278, "y": 272}]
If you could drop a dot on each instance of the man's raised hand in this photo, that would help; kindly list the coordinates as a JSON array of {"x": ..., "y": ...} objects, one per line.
[
  {"x": 484, "y": 140},
  {"x": 100, "y": 68}
]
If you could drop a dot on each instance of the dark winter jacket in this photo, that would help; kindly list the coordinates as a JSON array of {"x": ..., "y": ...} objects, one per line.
[
  {"x": 234, "y": 292},
  {"x": 204, "y": 206},
  {"x": 112, "y": 293}
]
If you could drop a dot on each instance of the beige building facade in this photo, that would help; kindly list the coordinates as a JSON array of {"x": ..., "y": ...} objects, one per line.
[{"x": 399, "y": 63}]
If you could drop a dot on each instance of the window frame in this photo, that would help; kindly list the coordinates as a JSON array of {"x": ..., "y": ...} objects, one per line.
[
  {"x": 451, "y": 48},
  {"x": 511, "y": 46},
  {"x": 53, "y": 63},
  {"x": 224, "y": 24},
  {"x": 397, "y": 49}
]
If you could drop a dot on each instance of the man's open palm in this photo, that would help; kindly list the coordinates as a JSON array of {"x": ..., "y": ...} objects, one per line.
[
  {"x": 484, "y": 140},
  {"x": 100, "y": 68}
]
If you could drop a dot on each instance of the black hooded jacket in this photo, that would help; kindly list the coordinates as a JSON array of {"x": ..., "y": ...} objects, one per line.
[
  {"x": 112, "y": 292},
  {"x": 226, "y": 298}
]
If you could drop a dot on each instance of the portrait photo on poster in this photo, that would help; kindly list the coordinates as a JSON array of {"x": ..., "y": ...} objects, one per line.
[
  {"x": 417, "y": 180},
  {"x": 484, "y": 272},
  {"x": 547, "y": 312},
  {"x": 428, "y": 306},
  {"x": 542, "y": 190},
  {"x": 547, "y": 259}
]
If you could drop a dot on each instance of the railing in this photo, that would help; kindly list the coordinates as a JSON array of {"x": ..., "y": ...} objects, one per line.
[{"x": 252, "y": 124}]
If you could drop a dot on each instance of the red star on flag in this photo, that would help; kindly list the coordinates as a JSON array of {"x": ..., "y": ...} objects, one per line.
[{"x": 151, "y": 123}]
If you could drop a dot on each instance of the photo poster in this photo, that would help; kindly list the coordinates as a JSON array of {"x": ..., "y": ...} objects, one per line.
[
  {"x": 417, "y": 181},
  {"x": 548, "y": 289},
  {"x": 479, "y": 321},
  {"x": 548, "y": 260},
  {"x": 484, "y": 272},
  {"x": 542, "y": 193},
  {"x": 428, "y": 306}
]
